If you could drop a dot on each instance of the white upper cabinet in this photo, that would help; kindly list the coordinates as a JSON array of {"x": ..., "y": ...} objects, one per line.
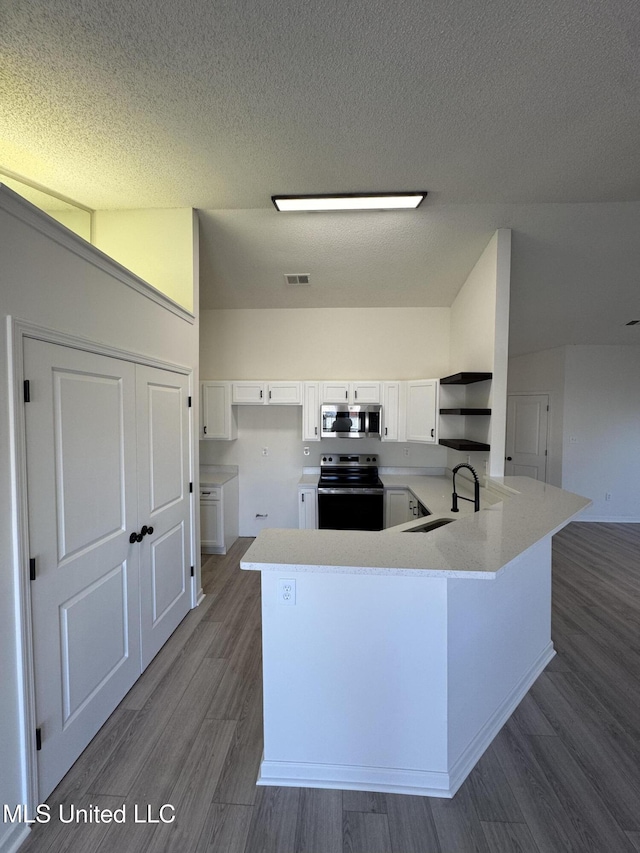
[
  {"x": 254, "y": 393},
  {"x": 422, "y": 408},
  {"x": 248, "y": 393},
  {"x": 218, "y": 419},
  {"x": 356, "y": 393},
  {"x": 311, "y": 411},
  {"x": 393, "y": 411},
  {"x": 284, "y": 393},
  {"x": 365, "y": 392},
  {"x": 334, "y": 392}
]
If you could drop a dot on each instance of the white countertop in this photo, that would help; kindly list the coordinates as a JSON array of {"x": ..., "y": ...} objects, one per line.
[
  {"x": 217, "y": 475},
  {"x": 515, "y": 514}
]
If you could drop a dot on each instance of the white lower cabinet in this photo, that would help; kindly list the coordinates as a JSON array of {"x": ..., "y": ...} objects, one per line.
[
  {"x": 396, "y": 507},
  {"x": 307, "y": 508},
  {"x": 218, "y": 517},
  {"x": 422, "y": 410}
]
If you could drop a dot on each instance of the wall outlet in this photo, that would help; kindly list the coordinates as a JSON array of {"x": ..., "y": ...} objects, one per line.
[
  {"x": 265, "y": 451},
  {"x": 406, "y": 451},
  {"x": 306, "y": 451},
  {"x": 286, "y": 591},
  {"x": 607, "y": 496}
]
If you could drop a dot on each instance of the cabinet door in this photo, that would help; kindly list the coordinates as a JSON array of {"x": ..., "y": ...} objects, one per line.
[
  {"x": 284, "y": 394},
  {"x": 390, "y": 411},
  {"x": 396, "y": 507},
  {"x": 218, "y": 418},
  {"x": 365, "y": 392},
  {"x": 248, "y": 393},
  {"x": 335, "y": 392},
  {"x": 211, "y": 525},
  {"x": 422, "y": 402},
  {"x": 311, "y": 412},
  {"x": 307, "y": 513}
]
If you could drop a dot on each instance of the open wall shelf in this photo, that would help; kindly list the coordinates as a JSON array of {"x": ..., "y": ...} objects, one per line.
[
  {"x": 465, "y": 378},
  {"x": 465, "y": 402},
  {"x": 463, "y": 444},
  {"x": 465, "y": 411}
]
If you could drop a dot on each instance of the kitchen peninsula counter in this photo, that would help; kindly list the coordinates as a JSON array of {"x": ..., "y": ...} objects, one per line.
[
  {"x": 516, "y": 512},
  {"x": 392, "y": 659}
]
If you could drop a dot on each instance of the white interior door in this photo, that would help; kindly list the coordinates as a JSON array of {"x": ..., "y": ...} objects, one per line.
[
  {"x": 526, "y": 440},
  {"x": 164, "y": 504},
  {"x": 82, "y": 496}
]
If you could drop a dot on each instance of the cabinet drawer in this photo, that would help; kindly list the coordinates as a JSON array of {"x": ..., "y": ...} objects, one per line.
[{"x": 210, "y": 493}]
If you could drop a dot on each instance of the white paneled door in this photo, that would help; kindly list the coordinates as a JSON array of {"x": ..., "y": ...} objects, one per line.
[
  {"x": 526, "y": 440},
  {"x": 101, "y": 462},
  {"x": 163, "y": 505}
]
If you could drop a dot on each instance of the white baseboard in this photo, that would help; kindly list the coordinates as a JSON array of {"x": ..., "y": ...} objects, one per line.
[
  {"x": 614, "y": 519},
  {"x": 15, "y": 838},
  {"x": 391, "y": 780},
  {"x": 473, "y": 752},
  {"x": 344, "y": 777}
]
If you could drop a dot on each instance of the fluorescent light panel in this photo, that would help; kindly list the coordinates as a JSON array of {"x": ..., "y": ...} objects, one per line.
[{"x": 350, "y": 201}]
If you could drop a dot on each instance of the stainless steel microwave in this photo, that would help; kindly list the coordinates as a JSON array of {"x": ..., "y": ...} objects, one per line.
[{"x": 343, "y": 421}]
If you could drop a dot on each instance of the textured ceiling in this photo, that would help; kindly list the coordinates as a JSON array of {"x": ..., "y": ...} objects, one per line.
[{"x": 217, "y": 104}]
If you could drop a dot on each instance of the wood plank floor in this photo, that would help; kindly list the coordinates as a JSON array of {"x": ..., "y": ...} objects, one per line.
[{"x": 563, "y": 774}]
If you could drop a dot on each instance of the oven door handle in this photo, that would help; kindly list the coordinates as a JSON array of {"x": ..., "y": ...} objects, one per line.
[{"x": 324, "y": 491}]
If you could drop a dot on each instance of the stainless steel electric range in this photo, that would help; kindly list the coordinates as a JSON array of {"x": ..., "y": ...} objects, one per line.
[{"x": 350, "y": 492}]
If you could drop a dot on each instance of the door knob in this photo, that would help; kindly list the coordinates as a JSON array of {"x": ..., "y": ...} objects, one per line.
[
  {"x": 134, "y": 538},
  {"x": 509, "y": 458},
  {"x": 146, "y": 530}
]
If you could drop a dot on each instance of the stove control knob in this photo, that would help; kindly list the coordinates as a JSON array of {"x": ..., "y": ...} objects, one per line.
[{"x": 324, "y": 458}]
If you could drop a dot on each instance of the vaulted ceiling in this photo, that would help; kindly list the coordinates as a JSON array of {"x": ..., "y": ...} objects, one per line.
[{"x": 512, "y": 113}]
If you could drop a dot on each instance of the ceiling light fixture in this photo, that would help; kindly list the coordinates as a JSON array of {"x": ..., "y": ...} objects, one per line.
[{"x": 350, "y": 201}]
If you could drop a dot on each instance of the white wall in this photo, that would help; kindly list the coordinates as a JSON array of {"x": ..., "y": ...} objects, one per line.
[
  {"x": 154, "y": 244},
  {"x": 602, "y": 430},
  {"x": 594, "y": 422},
  {"x": 479, "y": 342},
  {"x": 544, "y": 373},
  {"x": 325, "y": 343},
  {"x": 45, "y": 283}
]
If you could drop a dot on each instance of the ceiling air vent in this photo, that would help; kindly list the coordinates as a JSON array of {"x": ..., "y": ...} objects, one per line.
[{"x": 297, "y": 278}]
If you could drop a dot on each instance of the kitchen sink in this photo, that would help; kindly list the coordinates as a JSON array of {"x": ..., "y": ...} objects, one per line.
[{"x": 428, "y": 526}]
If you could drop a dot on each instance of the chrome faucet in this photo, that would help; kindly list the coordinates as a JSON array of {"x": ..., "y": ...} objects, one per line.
[{"x": 476, "y": 489}]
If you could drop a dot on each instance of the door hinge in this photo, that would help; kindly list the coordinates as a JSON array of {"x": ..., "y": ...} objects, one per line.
[
  {"x": 302, "y": 497},
  {"x": 193, "y": 571},
  {"x": 32, "y": 568},
  {"x": 188, "y": 402},
  {"x": 190, "y": 487},
  {"x": 38, "y": 739},
  {"x": 545, "y": 453},
  {"x": 27, "y": 391},
  {"x": 547, "y": 408}
]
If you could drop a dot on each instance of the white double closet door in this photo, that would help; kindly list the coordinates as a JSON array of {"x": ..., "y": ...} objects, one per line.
[{"x": 107, "y": 447}]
